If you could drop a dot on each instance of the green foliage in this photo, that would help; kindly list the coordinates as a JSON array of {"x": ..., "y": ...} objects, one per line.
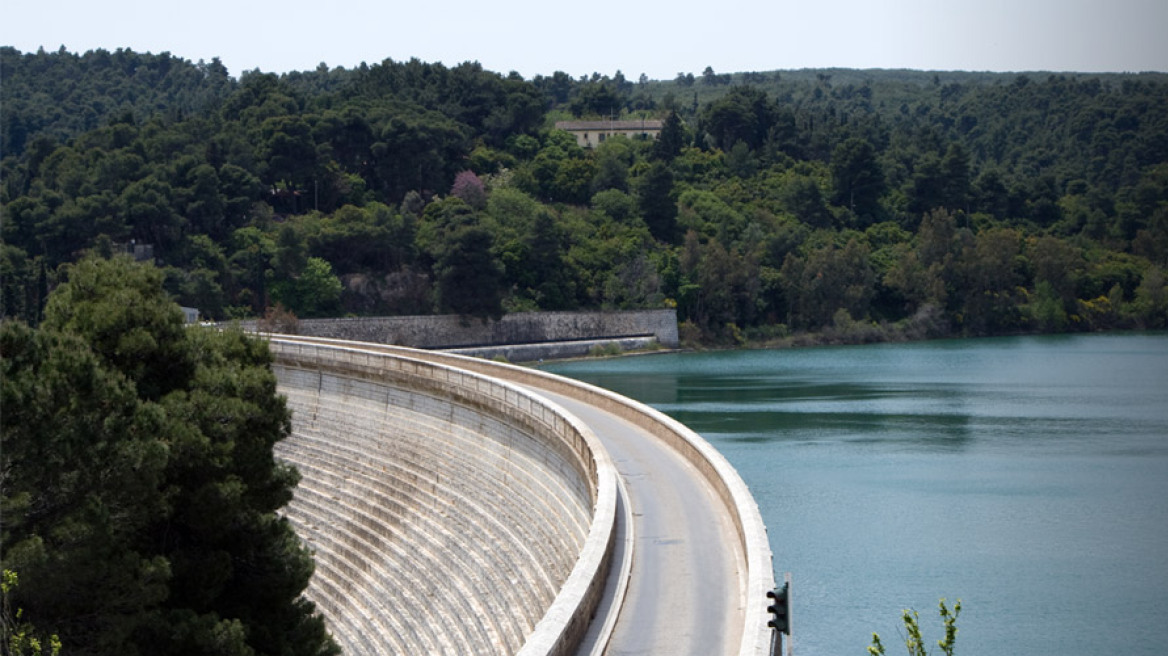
[
  {"x": 655, "y": 198},
  {"x": 311, "y": 291},
  {"x": 744, "y": 114},
  {"x": 605, "y": 350},
  {"x": 415, "y": 149},
  {"x": 125, "y": 316},
  {"x": 718, "y": 287},
  {"x": 57, "y": 95},
  {"x": 982, "y": 204},
  {"x": 828, "y": 279},
  {"x": 537, "y": 267},
  {"x": 469, "y": 277},
  {"x": 857, "y": 175},
  {"x": 141, "y": 491},
  {"x": 913, "y": 642},
  {"x": 671, "y": 140},
  {"x": 20, "y": 637},
  {"x": 1151, "y": 302}
]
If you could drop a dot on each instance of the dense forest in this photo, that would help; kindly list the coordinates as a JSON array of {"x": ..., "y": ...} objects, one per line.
[{"x": 849, "y": 205}]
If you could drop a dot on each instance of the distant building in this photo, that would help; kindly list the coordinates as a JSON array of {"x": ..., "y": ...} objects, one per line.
[
  {"x": 140, "y": 252},
  {"x": 590, "y": 134},
  {"x": 190, "y": 314}
]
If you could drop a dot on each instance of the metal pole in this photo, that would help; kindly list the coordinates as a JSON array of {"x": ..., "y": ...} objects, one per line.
[{"x": 789, "y": 641}]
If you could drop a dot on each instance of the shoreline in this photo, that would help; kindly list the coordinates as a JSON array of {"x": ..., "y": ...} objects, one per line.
[{"x": 823, "y": 339}]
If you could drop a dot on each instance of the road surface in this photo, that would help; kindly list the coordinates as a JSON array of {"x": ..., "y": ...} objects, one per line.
[{"x": 684, "y": 590}]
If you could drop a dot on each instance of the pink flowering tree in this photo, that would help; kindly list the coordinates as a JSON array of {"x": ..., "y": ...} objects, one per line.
[{"x": 469, "y": 188}]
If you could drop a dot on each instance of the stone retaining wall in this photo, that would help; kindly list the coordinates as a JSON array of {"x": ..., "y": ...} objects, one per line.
[
  {"x": 554, "y": 350},
  {"x": 451, "y": 331},
  {"x": 450, "y": 513}
]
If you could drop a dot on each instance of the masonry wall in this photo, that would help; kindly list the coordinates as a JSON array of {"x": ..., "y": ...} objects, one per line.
[{"x": 450, "y": 331}]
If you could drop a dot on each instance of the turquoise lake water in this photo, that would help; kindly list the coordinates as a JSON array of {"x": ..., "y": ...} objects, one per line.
[{"x": 1026, "y": 476}]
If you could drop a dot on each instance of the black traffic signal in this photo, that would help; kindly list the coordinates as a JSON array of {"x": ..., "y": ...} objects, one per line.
[{"x": 780, "y": 619}]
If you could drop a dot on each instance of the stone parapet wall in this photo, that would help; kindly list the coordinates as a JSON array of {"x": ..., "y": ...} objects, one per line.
[
  {"x": 450, "y": 512},
  {"x": 451, "y": 331}
]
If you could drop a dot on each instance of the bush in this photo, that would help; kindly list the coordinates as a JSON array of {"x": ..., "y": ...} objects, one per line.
[
  {"x": 607, "y": 349},
  {"x": 913, "y": 641}
]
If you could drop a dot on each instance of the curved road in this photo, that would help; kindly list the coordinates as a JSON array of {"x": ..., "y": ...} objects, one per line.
[
  {"x": 684, "y": 589},
  {"x": 686, "y": 586}
]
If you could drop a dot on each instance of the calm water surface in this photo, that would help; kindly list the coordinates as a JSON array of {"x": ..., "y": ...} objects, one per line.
[{"x": 1026, "y": 476}]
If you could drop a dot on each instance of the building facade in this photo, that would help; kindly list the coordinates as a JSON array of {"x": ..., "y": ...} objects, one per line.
[{"x": 590, "y": 134}]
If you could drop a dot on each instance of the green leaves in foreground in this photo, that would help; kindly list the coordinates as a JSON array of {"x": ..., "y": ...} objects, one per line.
[
  {"x": 19, "y": 637},
  {"x": 138, "y": 484},
  {"x": 913, "y": 642}
]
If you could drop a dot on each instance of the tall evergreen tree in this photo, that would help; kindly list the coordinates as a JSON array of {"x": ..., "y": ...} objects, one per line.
[
  {"x": 469, "y": 277},
  {"x": 858, "y": 178},
  {"x": 657, "y": 203},
  {"x": 140, "y": 488},
  {"x": 670, "y": 140}
]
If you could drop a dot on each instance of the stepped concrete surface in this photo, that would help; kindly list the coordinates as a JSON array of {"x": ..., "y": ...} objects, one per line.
[
  {"x": 449, "y": 512},
  {"x": 700, "y": 557}
]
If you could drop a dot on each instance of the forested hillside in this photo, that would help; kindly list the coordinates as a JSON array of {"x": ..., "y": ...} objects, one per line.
[{"x": 859, "y": 205}]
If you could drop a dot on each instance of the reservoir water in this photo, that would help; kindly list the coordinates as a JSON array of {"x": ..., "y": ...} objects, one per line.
[{"x": 1026, "y": 476}]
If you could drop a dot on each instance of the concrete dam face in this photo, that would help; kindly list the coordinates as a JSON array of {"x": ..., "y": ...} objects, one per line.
[
  {"x": 449, "y": 513},
  {"x": 456, "y": 507}
]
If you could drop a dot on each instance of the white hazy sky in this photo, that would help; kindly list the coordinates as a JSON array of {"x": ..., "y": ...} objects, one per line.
[{"x": 656, "y": 38}]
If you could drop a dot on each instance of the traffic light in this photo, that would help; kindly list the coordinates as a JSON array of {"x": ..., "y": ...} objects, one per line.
[{"x": 780, "y": 619}]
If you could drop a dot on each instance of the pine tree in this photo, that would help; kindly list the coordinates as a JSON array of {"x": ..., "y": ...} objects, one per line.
[{"x": 140, "y": 489}]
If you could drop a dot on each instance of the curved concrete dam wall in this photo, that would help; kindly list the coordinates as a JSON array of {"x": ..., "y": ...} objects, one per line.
[
  {"x": 450, "y": 513},
  {"x": 756, "y": 637}
]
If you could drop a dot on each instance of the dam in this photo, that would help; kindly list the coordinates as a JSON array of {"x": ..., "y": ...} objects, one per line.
[{"x": 457, "y": 505}]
